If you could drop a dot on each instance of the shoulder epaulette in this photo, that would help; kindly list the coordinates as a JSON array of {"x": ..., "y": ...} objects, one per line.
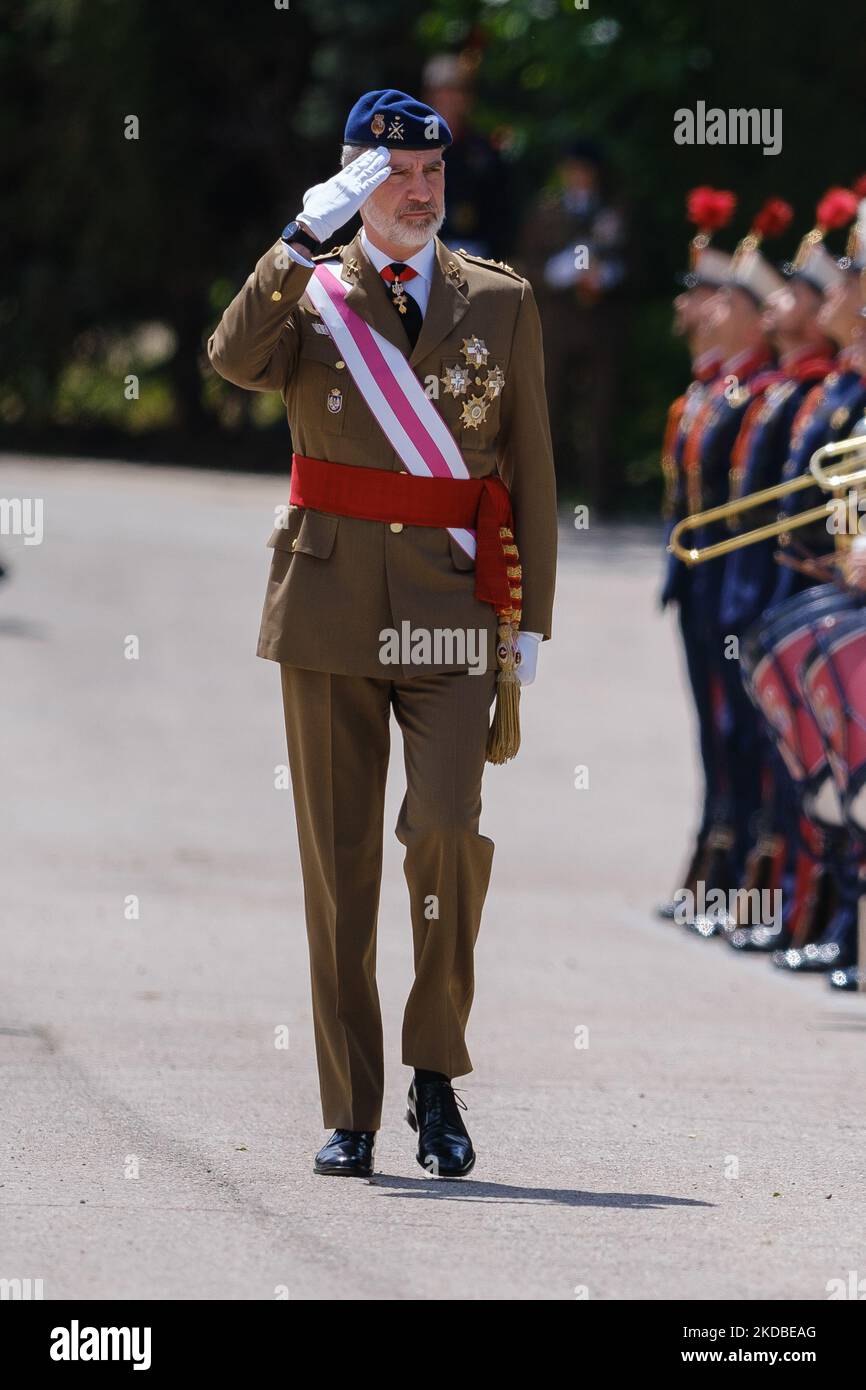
[
  {"x": 328, "y": 255},
  {"x": 488, "y": 261}
]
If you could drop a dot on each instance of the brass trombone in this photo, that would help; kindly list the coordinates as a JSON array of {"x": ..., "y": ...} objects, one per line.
[{"x": 848, "y": 473}]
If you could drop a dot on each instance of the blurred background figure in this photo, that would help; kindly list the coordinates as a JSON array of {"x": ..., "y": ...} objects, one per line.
[
  {"x": 479, "y": 209},
  {"x": 574, "y": 249}
]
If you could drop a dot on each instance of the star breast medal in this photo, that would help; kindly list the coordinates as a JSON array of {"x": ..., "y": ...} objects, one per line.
[
  {"x": 495, "y": 382},
  {"x": 455, "y": 380},
  {"x": 475, "y": 351},
  {"x": 475, "y": 412}
]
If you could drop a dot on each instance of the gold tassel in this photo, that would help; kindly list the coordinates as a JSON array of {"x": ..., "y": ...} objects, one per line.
[{"x": 503, "y": 739}]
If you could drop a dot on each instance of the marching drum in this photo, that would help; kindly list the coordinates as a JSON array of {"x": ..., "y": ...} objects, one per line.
[
  {"x": 834, "y": 686},
  {"x": 771, "y": 660}
]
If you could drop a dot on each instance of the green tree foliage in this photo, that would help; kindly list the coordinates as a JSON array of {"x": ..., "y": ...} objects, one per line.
[{"x": 240, "y": 107}]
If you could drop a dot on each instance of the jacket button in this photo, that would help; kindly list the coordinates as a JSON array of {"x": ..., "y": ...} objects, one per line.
[
  {"x": 276, "y": 296},
  {"x": 339, "y": 366},
  {"x": 396, "y": 526}
]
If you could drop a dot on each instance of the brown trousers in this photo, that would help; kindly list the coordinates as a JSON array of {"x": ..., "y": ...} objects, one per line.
[{"x": 338, "y": 736}]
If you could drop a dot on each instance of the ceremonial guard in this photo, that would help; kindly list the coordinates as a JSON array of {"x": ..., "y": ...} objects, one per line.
[
  {"x": 709, "y": 210},
  {"x": 830, "y": 408},
  {"x": 830, "y": 411},
  {"x": 413, "y": 570},
  {"x": 805, "y": 357},
  {"x": 746, "y": 372}
]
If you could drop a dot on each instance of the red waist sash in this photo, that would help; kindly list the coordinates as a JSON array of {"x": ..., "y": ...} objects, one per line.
[{"x": 379, "y": 494}]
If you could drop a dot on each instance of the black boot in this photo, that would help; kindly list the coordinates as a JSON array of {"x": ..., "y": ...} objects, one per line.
[
  {"x": 761, "y": 873},
  {"x": 716, "y": 876},
  {"x": 836, "y": 950}
]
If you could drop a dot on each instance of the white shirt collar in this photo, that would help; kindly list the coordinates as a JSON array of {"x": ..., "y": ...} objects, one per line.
[{"x": 422, "y": 262}]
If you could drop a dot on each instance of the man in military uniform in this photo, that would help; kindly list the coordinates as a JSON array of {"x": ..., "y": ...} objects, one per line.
[
  {"x": 682, "y": 497},
  {"x": 710, "y": 210},
  {"x": 575, "y": 247},
  {"x": 378, "y": 540},
  {"x": 805, "y": 357},
  {"x": 829, "y": 412},
  {"x": 832, "y": 407},
  {"x": 746, "y": 371}
]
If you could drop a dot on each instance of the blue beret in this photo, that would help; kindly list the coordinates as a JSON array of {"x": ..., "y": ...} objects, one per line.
[{"x": 396, "y": 120}]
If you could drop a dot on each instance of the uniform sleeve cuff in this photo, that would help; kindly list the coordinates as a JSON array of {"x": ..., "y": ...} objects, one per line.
[{"x": 296, "y": 256}]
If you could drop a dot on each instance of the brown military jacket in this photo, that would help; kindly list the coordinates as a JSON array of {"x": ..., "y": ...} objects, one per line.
[{"x": 336, "y": 583}]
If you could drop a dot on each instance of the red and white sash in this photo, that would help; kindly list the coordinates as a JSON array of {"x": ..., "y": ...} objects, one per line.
[{"x": 403, "y": 410}]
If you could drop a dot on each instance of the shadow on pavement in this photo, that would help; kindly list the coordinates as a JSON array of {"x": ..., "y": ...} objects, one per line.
[{"x": 465, "y": 1189}]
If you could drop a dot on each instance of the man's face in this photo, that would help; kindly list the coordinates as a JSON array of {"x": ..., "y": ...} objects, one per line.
[
  {"x": 790, "y": 311},
  {"x": 409, "y": 207},
  {"x": 839, "y": 316},
  {"x": 733, "y": 319},
  {"x": 690, "y": 309}
]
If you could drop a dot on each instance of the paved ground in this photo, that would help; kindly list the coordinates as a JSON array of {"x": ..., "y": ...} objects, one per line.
[{"x": 148, "y": 1045}]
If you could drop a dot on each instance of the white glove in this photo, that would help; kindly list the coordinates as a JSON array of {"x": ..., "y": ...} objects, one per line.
[
  {"x": 328, "y": 206},
  {"x": 527, "y": 647}
]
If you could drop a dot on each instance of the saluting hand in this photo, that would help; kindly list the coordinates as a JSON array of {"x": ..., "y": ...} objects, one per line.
[{"x": 328, "y": 206}]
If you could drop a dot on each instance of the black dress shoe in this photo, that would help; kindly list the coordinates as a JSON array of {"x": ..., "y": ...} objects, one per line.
[
  {"x": 348, "y": 1153},
  {"x": 444, "y": 1147}
]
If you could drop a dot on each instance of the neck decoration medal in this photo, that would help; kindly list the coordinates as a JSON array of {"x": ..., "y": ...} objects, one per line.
[
  {"x": 395, "y": 279},
  {"x": 398, "y": 290}
]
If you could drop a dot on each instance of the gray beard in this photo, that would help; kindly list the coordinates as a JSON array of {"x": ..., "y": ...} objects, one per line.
[{"x": 402, "y": 233}]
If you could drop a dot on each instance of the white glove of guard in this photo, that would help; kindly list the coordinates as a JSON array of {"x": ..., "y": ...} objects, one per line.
[
  {"x": 328, "y": 206},
  {"x": 527, "y": 646}
]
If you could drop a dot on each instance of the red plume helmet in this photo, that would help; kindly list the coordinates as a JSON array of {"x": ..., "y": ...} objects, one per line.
[
  {"x": 774, "y": 218},
  {"x": 836, "y": 209},
  {"x": 709, "y": 209}
]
